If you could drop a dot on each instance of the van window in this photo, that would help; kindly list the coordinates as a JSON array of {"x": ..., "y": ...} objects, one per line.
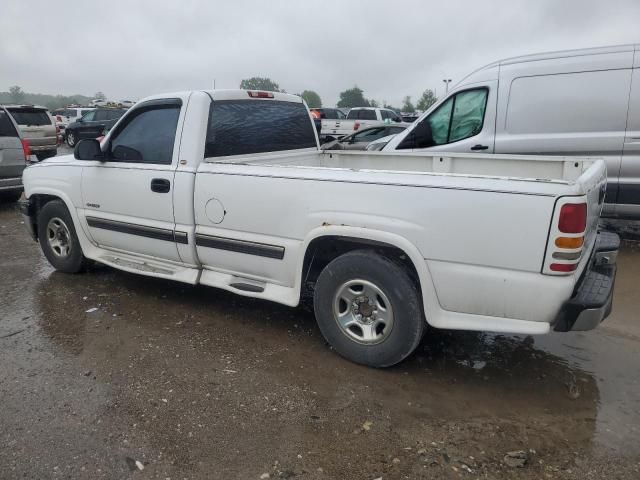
[
  {"x": 241, "y": 127},
  {"x": 460, "y": 116},
  {"x": 568, "y": 103}
]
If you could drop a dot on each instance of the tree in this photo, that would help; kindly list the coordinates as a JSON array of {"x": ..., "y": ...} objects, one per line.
[
  {"x": 17, "y": 95},
  {"x": 427, "y": 99},
  {"x": 100, "y": 96},
  {"x": 353, "y": 97},
  {"x": 407, "y": 106},
  {"x": 259, "y": 83},
  {"x": 312, "y": 98},
  {"x": 373, "y": 103}
]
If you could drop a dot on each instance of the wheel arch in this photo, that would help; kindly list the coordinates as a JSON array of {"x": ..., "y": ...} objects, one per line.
[
  {"x": 326, "y": 243},
  {"x": 40, "y": 196}
]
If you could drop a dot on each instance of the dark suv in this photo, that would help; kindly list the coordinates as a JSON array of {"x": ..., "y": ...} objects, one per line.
[{"x": 93, "y": 124}]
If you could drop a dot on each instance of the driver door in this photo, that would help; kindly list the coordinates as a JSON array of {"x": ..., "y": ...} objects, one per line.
[
  {"x": 128, "y": 198},
  {"x": 464, "y": 122}
]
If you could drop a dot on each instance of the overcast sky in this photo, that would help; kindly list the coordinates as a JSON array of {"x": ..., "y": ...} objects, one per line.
[{"x": 131, "y": 49}]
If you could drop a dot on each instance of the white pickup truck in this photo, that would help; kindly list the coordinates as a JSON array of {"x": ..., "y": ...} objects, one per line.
[
  {"x": 358, "y": 118},
  {"x": 229, "y": 189}
]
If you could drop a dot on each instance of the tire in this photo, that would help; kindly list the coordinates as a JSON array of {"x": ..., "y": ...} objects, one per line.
[
  {"x": 391, "y": 321},
  {"x": 58, "y": 238},
  {"x": 71, "y": 139}
]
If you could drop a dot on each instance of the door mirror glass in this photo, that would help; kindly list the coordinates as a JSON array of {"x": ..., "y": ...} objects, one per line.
[{"x": 88, "y": 149}]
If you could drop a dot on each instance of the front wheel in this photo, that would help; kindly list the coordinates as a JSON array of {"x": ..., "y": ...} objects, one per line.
[
  {"x": 368, "y": 309},
  {"x": 58, "y": 238},
  {"x": 71, "y": 139}
]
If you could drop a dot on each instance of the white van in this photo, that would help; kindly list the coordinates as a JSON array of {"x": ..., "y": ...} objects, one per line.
[{"x": 578, "y": 102}]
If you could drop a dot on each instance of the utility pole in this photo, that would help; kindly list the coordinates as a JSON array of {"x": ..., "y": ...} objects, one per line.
[
  {"x": 446, "y": 81},
  {"x": 214, "y": 83}
]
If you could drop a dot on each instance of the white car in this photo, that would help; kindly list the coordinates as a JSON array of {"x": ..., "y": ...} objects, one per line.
[{"x": 232, "y": 191}]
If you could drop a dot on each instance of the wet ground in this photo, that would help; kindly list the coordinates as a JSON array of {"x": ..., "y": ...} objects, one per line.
[{"x": 164, "y": 380}]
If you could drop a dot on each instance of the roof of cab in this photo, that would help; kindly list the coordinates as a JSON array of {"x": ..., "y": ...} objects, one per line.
[
  {"x": 237, "y": 94},
  {"x": 231, "y": 94}
]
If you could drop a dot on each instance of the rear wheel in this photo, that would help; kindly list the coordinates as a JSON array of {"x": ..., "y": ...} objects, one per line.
[
  {"x": 71, "y": 139},
  {"x": 58, "y": 238},
  {"x": 368, "y": 309}
]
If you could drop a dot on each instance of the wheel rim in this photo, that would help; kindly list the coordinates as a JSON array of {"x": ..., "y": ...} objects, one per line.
[
  {"x": 363, "y": 312},
  {"x": 59, "y": 237},
  {"x": 71, "y": 139}
]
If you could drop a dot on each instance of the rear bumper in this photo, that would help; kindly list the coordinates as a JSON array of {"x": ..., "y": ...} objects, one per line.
[{"x": 592, "y": 298}]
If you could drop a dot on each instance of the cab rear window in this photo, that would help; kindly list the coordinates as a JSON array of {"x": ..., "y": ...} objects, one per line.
[
  {"x": 30, "y": 117},
  {"x": 240, "y": 127}
]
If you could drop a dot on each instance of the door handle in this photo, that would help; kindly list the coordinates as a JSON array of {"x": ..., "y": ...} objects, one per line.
[
  {"x": 479, "y": 147},
  {"x": 160, "y": 185}
]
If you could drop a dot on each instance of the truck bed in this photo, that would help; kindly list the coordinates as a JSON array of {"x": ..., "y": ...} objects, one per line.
[{"x": 419, "y": 168}]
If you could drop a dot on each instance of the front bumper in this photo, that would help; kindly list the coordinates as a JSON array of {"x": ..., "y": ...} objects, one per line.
[
  {"x": 592, "y": 298},
  {"x": 28, "y": 211}
]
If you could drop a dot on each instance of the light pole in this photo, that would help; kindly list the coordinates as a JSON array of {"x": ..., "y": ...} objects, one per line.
[{"x": 446, "y": 81}]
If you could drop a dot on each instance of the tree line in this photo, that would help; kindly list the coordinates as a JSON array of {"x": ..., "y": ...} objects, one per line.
[
  {"x": 16, "y": 95},
  {"x": 350, "y": 98}
]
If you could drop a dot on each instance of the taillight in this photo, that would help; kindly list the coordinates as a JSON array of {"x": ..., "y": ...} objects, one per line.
[
  {"x": 563, "y": 267},
  {"x": 356, "y": 125},
  {"x": 26, "y": 149},
  {"x": 254, "y": 94},
  {"x": 58, "y": 118},
  {"x": 566, "y": 237},
  {"x": 573, "y": 218}
]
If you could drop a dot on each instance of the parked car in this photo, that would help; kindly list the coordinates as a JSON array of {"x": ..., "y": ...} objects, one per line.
[
  {"x": 64, "y": 116},
  {"x": 92, "y": 124},
  {"x": 577, "y": 102},
  {"x": 14, "y": 155},
  {"x": 37, "y": 127},
  {"x": 362, "y": 138},
  {"x": 328, "y": 117},
  {"x": 231, "y": 190},
  {"x": 357, "y": 118},
  {"x": 379, "y": 143}
]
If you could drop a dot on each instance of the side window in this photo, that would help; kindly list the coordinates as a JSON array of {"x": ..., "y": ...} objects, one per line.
[
  {"x": 367, "y": 115},
  {"x": 330, "y": 114},
  {"x": 369, "y": 135},
  {"x": 6, "y": 126},
  {"x": 147, "y": 136},
  {"x": 353, "y": 114},
  {"x": 460, "y": 116},
  {"x": 102, "y": 115},
  {"x": 468, "y": 114},
  {"x": 89, "y": 116},
  {"x": 384, "y": 114}
]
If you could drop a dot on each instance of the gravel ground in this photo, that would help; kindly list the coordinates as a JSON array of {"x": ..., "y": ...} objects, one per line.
[{"x": 165, "y": 380}]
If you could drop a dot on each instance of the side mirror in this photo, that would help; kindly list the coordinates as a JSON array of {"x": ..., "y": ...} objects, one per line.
[{"x": 88, "y": 149}]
